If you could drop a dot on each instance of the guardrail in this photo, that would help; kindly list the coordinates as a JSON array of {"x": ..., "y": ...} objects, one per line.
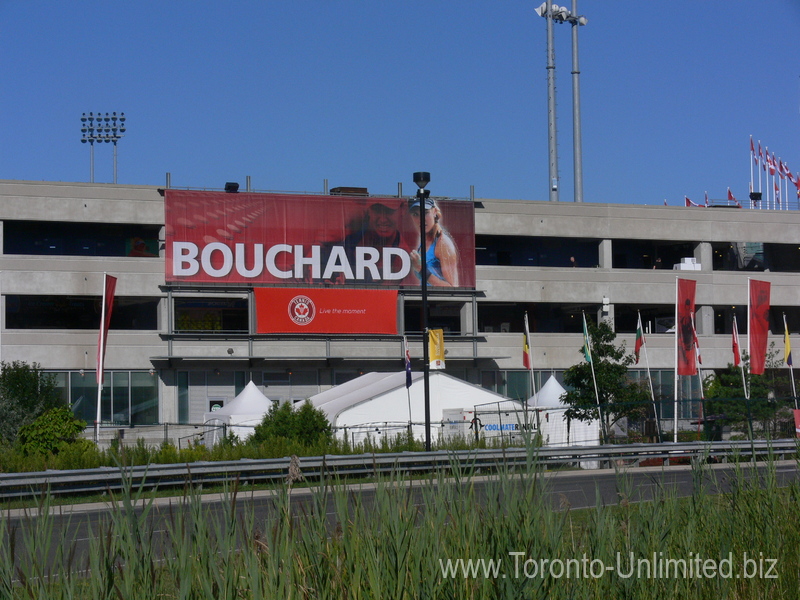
[{"x": 20, "y": 485}]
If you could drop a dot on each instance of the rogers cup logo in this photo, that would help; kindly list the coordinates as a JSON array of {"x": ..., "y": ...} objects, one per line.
[{"x": 302, "y": 310}]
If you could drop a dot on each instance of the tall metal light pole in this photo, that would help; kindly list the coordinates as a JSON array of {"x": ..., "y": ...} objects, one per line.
[
  {"x": 577, "y": 151},
  {"x": 99, "y": 127},
  {"x": 559, "y": 14},
  {"x": 422, "y": 179}
]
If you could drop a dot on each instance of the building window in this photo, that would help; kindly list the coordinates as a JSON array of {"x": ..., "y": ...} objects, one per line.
[
  {"x": 128, "y": 397},
  {"x": 519, "y": 251},
  {"x": 80, "y": 239},
  {"x": 648, "y": 254},
  {"x": 79, "y": 312},
  {"x": 211, "y": 315},
  {"x": 543, "y": 317},
  {"x": 441, "y": 315}
]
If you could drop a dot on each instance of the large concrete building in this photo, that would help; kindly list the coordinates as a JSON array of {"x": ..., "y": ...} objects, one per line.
[{"x": 178, "y": 347}]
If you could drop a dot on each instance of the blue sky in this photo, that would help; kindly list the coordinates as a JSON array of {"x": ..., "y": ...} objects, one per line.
[{"x": 365, "y": 92}]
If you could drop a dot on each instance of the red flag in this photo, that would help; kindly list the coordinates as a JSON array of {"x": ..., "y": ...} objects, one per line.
[
  {"x": 687, "y": 364},
  {"x": 732, "y": 198},
  {"x": 781, "y": 169},
  {"x": 689, "y": 202},
  {"x": 696, "y": 343},
  {"x": 759, "y": 325},
  {"x": 109, "y": 286},
  {"x": 753, "y": 150},
  {"x": 796, "y": 422},
  {"x": 771, "y": 164},
  {"x": 761, "y": 156},
  {"x": 777, "y": 193},
  {"x": 737, "y": 355}
]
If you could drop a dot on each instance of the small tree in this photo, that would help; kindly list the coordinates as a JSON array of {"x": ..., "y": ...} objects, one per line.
[
  {"x": 307, "y": 424},
  {"x": 619, "y": 396},
  {"x": 25, "y": 393},
  {"x": 725, "y": 398}
]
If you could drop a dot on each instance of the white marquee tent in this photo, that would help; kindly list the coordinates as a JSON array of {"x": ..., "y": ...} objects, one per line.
[
  {"x": 555, "y": 428},
  {"x": 377, "y": 404},
  {"x": 240, "y": 415}
]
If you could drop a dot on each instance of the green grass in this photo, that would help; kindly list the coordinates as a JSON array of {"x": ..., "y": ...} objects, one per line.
[{"x": 391, "y": 547}]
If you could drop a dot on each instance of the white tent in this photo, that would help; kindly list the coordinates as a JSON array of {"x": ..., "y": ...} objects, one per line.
[
  {"x": 240, "y": 415},
  {"x": 377, "y": 404},
  {"x": 555, "y": 428}
]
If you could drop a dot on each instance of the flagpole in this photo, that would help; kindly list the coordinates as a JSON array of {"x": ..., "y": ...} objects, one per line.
[
  {"x": 739, "y": 358},
  {"x": 588, "y": 346},
  {"x": 788, "y": 358},
  {"x": 697, "y": 363},
  {"x": 533, "y": 380},
  {"x": 749, "y": 353},
  {"x": 675, "y": 405},
  {"x": 650, "y": 381}
]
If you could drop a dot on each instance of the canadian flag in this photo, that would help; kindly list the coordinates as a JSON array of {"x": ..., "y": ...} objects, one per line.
[
  {"x": 777, "y": 193},
  {"x": 781, "y": 169},
  {"x": 753, "y": 150},
  {"x": 732, "y": 198},
  {"x": 771, "y": 164},
  {"x": 689, "y": 202},
  {"x": 706, "y": 199}
]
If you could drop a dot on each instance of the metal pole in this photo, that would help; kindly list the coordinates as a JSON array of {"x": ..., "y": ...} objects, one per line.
[
  {"x": 551, "y": 106},
  {"x": 115, "y": 161},
  {"x": 577, "y": 152},
  {"x": 423, "y": 271},
  {"x": 91, "y": 161}
]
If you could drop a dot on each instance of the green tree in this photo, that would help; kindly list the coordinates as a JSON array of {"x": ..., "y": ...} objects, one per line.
[
  {"x": 307, "y": 424},
  {"x": 25, "y": 393},
  {"x": 619, "y": 396},
  {"x": 50, "y": 432},
  {"x": 726, "y": 403}
]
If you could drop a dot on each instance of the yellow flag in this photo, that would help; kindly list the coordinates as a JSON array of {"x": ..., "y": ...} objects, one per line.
[{"x": 436, "y": 348}]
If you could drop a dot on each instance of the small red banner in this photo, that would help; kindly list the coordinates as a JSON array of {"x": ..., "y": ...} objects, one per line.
[
  {"x": 687, "y": 358},
  {"x": 310, "y": 310},
  {"x": 796, "y": 422},
  {"x": 759, "y": 325}
]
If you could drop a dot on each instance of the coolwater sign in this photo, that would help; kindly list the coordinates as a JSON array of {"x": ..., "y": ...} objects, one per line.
[
  {"x": 330, "y": 310},
  {"x": 262, "y": 239}
]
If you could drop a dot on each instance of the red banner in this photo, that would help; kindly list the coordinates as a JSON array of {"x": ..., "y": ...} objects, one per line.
[
  {"x": 759, "y": 325},
  {"x": 262, "y": 239},
  {"x": 796, "y": 422},
  {"x": 687, "y": 360},
  {"x": 109, "y": 287},
  {"x": 328, "y": 310}
]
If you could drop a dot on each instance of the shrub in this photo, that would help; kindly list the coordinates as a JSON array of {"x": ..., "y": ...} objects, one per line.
[
  {"x": 50, "y": 432},
  {"x": 25, "y": 393}
]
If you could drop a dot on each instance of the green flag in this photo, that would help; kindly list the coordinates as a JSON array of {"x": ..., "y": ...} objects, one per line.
[{"x": 587, "y": 344}]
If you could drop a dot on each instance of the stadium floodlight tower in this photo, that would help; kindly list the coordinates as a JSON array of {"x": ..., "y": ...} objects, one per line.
[
  {"x": 422, "y": 179},
  {"x": 99, "y": 127},
  {"x": 560, "y": 14}
]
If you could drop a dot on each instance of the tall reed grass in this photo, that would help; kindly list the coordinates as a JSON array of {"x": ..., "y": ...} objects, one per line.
[{"x": 392, "y": 539}]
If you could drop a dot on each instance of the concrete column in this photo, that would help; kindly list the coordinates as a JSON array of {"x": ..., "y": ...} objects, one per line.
[
  {"x": 604, "y": 257},
  {"x": 704, "y": 255},
  {"x": 704, "y": 320}
]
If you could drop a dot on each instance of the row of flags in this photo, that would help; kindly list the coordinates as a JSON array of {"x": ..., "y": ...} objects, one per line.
[
  {"x": 688, "y": 355},
  {"x": 689, "y": 203},
  {"x": 774, "y": 167}
]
